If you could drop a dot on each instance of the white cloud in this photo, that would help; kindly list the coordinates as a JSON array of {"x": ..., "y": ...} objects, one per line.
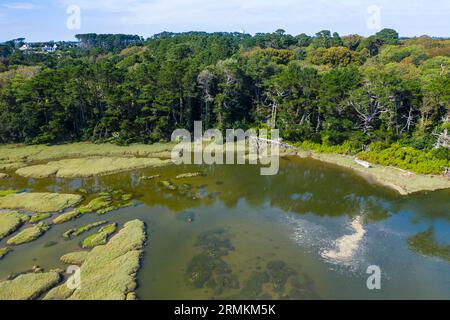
[{"x": 19, "y": 5}]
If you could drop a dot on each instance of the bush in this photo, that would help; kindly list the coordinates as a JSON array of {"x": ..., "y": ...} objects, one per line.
[{"x": 408, "y": 158}]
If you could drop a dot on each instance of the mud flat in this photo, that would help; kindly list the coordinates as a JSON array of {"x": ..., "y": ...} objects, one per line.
[
  {"x": 109, "y": 271},
  {"x": 402, "y": 181},
  {"x": 40, "y": 202},
  {"x": 89, "y": 167}
]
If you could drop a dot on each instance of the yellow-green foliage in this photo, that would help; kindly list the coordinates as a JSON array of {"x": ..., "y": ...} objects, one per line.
[
  {"x": 10, "y": 222},
  {"x": 4, "y": 252},
  {"x": 77, "y": 232},
  {"x": 188, "y": 175},
  {"x": 66, "y": 217},
  {"x": 150, "y": 177},
  {"x": 60, "y": 292},
  {"x": 28, "y": 286},
  {"x": 75, "y": 258},
  {"x": 109, "y": 271},
  {"x": 408, "y": 158},
  {"x": 89, "y": 167},
  {"x": 28, "y": 234},
  {"x": 21, "y": 153},
  {"x": 324, "y": 148},
  {"x": 100, "y": 237},
  {"x": 40, "y": 202},
  {"x": 106, "y": 202},
  {"x": 39, "y": 217},
  {"x": 7, "y": 192},
  {"x": 101, "y": 202},
  {"x": 4, "y": 176}
]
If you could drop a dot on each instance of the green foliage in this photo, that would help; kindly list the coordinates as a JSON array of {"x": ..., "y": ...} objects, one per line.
[
  {"x": 408, "y": 158},
  {"x": 326, "y": 88}
]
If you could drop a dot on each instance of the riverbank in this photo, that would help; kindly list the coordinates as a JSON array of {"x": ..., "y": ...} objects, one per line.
[
  {"x": 402, "y": 181},
  {"x": 20, "y": 158}
]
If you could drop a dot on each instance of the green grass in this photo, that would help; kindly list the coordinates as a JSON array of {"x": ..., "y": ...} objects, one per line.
[
  {"x": 4, "y": 193},
  {"x": 39, "y": 217},
  {"x": 28, "y": 286},
  {"x": 109, "y": 271},
  {"x": 407, "y": 158},
  {"x": 10, "y": 222},
  {"x": 4, "y": 252},
  {"x": 40, "y": 202},
  {"x": 77, "y": 232},
  {"x": 100, "y": 237},
  {"x": 28, "y": 234},
  {"x": 66, "y": 217},
  {"x": 89, "y": 167},
  {"x": 74, "y": 258}
]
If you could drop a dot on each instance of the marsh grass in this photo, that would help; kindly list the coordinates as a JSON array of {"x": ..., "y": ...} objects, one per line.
[
  {"x": 189, "y": 175},
  {"x": 28, "y": 286},
  {"x": 40, "y": 202},
  {"x": 99, "y": 238},
  {"x": 18, "y": 154},
  {"x": 10, "y": 221},
  {"x": 66, "y": 217},
  {"x": 89, "y": 167},
  {"x": 4, "y": 193},
  {"x": 74, "y": 258},
  {"x": 77, "y": 232},
  {"x": 109, "y": 271},
  {"x": 60, "y": 292},
  {"x": 28, "y": 234},
  {"x": 39, "y": 217},
  {"x": 4, "y": 252}
]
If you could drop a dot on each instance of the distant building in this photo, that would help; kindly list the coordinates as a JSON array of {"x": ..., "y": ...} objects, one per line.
[
  {"x": 50, "y": 49},
  {"x": 25, "y": 47}
]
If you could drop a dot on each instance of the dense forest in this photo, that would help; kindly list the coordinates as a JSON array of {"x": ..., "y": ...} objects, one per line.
[{"x": 384, "y": 95}]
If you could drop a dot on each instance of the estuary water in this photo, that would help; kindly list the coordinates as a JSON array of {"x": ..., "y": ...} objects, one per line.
[{"x": 310, "y": 232}]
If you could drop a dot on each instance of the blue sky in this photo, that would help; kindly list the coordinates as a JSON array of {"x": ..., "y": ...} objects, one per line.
[{"x": 40, "y": 20}]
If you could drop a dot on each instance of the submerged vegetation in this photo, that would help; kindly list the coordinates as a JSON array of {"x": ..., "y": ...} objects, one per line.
[
  {"x": 426, "y": 244},
  {"x": 209, "y": 270}
]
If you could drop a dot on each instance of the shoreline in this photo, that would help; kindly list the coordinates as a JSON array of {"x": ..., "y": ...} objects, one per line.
[
  {"x": 15, "y": 157},
  {"x": 402, "y": 181}
]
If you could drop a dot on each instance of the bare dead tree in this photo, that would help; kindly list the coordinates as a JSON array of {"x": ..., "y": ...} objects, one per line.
[{"x": 205, "y": 80}]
